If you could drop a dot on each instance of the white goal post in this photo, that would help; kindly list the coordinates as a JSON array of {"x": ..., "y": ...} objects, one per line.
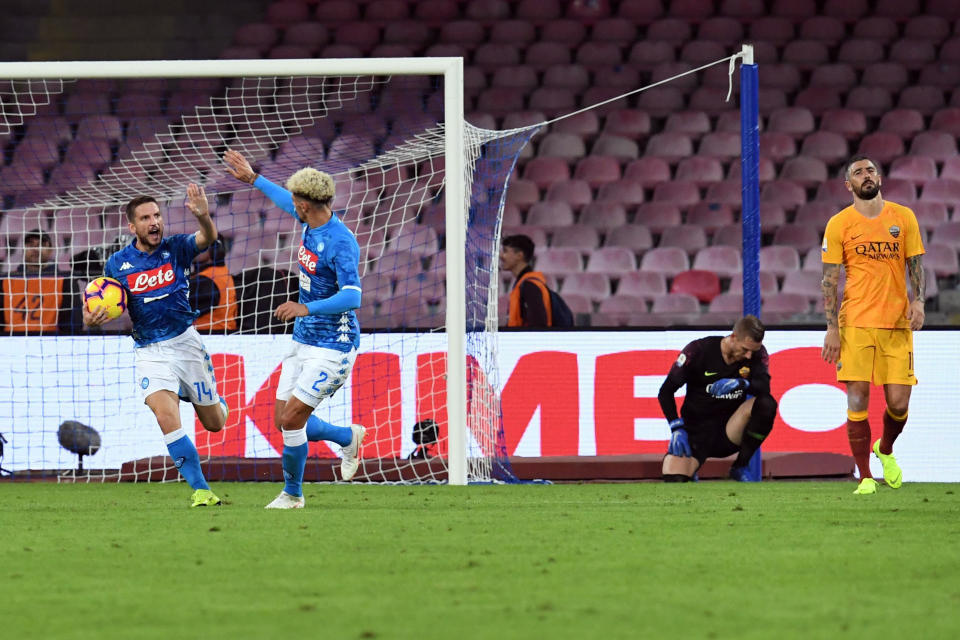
[{"x": 456, "y": 185}]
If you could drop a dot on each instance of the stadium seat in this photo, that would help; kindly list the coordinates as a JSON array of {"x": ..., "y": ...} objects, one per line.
[
  {"x": 594, "y": 286},
  {"x": 826, "y": 29},
  {"x": 672, "y": 71},
  {"x": 520, "y": 119},
  {"x": 942, "y": 190},
  {"x": 837, "y": 76},
  {"x": 585, "y": 124},
  {"x": 648, "y": 171},
  {"x": 603, "y": 215},
  {"x": 825, "y": 145},
  {"x": 779, "y": 260},
  {"x": 597, "y": 170},
  {"x": 574, "y": 77},
  {"x": 860, "y": 53},
  {"x": 598, "y": 55},
  {"x": 925, "y": 99},
  {"x": 542, "y": 55},
  {"x": 688, "y": 237},
  {"x": 683, "y": 194},
  {"x": 768, "y": 284},
  {"x": 787, "y": 194},
  {"x": 951, "y": 168},
  {"x": 946, "y": 8},
  {"x": 640, "y": 11},
  {"x": 488, "y": 11},
  {"x": 886, "y": 75},
  {"x": 930, "y": 214},
  {"x": 644, "y": 284},
  {"x": 520, "y": 32},
  {"x": 882, "y": 146},
  {"x": 766, "y": 170},
  {"x": 729, "y": 302},
  {"x": 724, "y": 260},
  {"x": 805, "y": 171},
  {"x": 793, "y": 121},
  {"x": 786, "y": 303},
  {"x": 835, "y": 191},
  {"x": 903, "y": 122},
  {"x": 941, "y": 259},
  {"x": 800, "y": 237},
  {"x": 804, "y": 283},
  {"x": 817, "y": 99},
  {"x": 691, "y": 123},
  {"x": 939, "y": 145},
  {"x": 777, "y": 146},
  {"x": 699, "y": 169},
  {"x": 676, "y": 31},
  {"x": 621, "y": 304},
  {"x": 704, "y": 285},
  {"x": 256, "y": 34},
  {"x": 722, "y": 30},
  {"x": 562, "y": 145},
  {"x": 878, "y": 28},
  {"x": 742, "y": 9},
  {"x": 312, "y": 35},
  {"x": 676, "y": 303},
  {"x": 636, "y": 237},
  {"x": 646, "y": 55},
  {"x": 700, "y": 52},
  {"x": 559, "y": 262},
  {"x": 550, "y": 214},
  {"x": 918, "y": 169},
  {"x": 773, "y": 29},
  {"x": 612, "y": 261},
  {"x": 815, "y": 214},
  {"x": 948, "y": 234},
  {"x": 669, "y": 146},
  {"x": 628, "y": 123},
  {"x": 553, "y": 101},
  {"x": 724, "y": 146},
  {"x": 805, "y": 55},
  {"x": 522, "y": 194},
  {"x": 576, "y": 193},
  {"x": 38, "y": 152},
  {"x": 911, "y": 53},
  {"x": 93, "y": 152},
  {"x": 668, "y": 261},
  {"x": 626, "y": 192},
  {"x": 621, "y": 148},
  {"x": 726, "y": 192},
  {"x": 576, "y": 236},
  {"x": 940, "y": 76},
  {"x": 545, "y": 171},
  {"x": 710, "y": 216}
]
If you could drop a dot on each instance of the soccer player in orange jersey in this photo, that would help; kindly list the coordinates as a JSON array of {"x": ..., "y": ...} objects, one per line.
[{"x": 869, "y": 336}]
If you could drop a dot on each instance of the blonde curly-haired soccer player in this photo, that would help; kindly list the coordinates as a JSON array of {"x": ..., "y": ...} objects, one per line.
[
  {"x": 326, "y": 333},
  {"x": 870, "y": 336}
]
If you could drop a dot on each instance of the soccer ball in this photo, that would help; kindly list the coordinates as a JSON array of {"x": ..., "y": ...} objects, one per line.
[{"x": 106, "y": 293}]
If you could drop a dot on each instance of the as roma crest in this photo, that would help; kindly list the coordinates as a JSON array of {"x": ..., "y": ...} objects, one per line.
[{"x": 895, "y": 231}]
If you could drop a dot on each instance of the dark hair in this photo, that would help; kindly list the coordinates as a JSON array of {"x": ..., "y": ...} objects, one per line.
[
  {"x": 136, "y": 202},
  {"x": 41, "y": 236},
  {"x": 858, "y": 158},
  {"x": 521, "y": 243},
  {"x": 749, "y": 327}
]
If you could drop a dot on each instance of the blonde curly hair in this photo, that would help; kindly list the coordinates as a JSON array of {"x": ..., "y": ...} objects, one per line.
[{"x": 311, "y": 184}]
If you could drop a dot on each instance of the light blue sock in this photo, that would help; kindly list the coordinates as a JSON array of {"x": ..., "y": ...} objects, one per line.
[
  {"x": 185, "y": 456},
  {"x": 318, "y": 430},
  {"x": 295, "y": 450}
]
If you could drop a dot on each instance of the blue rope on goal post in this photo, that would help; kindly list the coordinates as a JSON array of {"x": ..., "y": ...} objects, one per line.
[{"x": 750, "y": 212}]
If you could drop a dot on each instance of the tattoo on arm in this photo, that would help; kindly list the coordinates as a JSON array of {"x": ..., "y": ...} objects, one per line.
[
  {"x": 831, "y": 279},
  {"x": 917, "y": 279}
]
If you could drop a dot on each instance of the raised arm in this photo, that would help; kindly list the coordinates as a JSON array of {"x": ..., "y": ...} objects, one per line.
[
  {"x": 916, "y": 313},
  {"x": 200, "y": 208},
  {"x": 239, "y": 168},
  {"x": 831, "y": 308}
]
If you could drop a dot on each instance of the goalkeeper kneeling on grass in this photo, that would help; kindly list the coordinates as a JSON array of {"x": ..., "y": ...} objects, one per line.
[{"x": 728, "y": 407}]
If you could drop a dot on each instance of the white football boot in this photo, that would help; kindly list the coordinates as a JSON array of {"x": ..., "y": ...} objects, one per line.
[
  {"x": 286, "y": 501},
  {"x": 351, "y": 453}
]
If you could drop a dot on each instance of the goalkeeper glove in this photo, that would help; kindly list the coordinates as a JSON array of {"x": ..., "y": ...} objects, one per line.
[
  {"x": 679, "y": 443},
  {"x": 725, "y": 386}
]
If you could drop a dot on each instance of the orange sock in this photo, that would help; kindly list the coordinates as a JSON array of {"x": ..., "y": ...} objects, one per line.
[
  {"x": 892, "y": 426},
  {"x": 858, "y": 433}
]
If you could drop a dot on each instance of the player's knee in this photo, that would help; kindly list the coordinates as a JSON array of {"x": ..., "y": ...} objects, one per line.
[
  {"x": 764, "y": 408},
  {"x": 676, "y": 477}
]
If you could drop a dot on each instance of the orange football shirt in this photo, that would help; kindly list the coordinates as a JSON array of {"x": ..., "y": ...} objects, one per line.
[{"x": 874, "y": 253}]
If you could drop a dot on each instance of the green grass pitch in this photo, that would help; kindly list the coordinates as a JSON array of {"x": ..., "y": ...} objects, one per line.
[{"x": 648, "y": 560}]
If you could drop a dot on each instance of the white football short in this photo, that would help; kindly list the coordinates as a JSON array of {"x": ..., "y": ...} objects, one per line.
[
  {"x": 313, "y": 374},
  {"x": 180, "y": 365}
]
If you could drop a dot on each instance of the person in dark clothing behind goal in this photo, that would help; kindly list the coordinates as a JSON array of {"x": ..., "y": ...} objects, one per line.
[
  {"x": 529, "y": 297},
  {"x": 728, "y": 407}
]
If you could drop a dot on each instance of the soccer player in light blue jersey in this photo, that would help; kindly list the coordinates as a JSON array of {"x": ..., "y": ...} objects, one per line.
[
  {"x": 326, "y": 333},
  {"x": 169, "y": 355}
]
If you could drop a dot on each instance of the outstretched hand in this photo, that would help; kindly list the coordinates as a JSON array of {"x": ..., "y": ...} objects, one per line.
[
  {"x": 239, "y": 167},
  {"x": 197, "y": 200}
]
